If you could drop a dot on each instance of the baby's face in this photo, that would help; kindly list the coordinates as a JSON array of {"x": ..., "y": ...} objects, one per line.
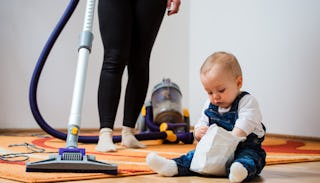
[{"x": 221, "y": 86}]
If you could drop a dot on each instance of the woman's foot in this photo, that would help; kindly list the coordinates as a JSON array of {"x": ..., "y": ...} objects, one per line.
[
  {"x": 105, "y": 143},
  {"x": 128, "y": 138}
]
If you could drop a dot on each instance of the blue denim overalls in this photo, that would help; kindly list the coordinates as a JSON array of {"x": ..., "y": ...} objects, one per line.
[{"x": 249, "y": 153}]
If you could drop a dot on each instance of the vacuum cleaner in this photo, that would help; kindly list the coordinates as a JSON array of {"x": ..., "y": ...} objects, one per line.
[
  {"x": 71, "y": 158},
  {"x": 164, "y": 113},
  {"x": 166, "y": 121}
]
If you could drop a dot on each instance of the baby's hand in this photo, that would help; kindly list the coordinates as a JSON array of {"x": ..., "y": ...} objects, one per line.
[
  {"x": 200, "y": 131},
  {"x": 238, "y": 132}
]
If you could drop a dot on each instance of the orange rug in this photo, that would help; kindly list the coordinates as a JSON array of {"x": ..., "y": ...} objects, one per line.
[{"x": 131, "y": 161}]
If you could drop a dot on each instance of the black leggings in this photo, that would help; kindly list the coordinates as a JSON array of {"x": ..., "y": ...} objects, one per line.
[{"x": 128, "y": 30}]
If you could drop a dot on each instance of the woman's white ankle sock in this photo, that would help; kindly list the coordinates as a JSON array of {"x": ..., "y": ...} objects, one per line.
[
  {"x": 129, "y": 140},
  {"x": 105, "y": 143}
]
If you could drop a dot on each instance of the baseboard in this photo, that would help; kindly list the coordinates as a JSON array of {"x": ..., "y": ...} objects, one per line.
[{"x": 273, "y": 135}]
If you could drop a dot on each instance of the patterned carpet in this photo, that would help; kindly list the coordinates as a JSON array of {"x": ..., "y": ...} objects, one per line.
[{"x": 130, "y": 161}]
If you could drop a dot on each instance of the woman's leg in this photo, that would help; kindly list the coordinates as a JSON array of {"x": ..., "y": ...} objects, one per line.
[
  {"x": 115, "y": 22},
  {"x": 115, "y": 28},
  {"x": 147, "y": 18}
]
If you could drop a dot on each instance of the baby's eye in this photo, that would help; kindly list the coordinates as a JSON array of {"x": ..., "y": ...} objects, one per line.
[{"x": 222, "y": 90}]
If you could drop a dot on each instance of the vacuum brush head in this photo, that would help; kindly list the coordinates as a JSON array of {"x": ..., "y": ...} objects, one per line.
[{"x": 72, "y": 160}]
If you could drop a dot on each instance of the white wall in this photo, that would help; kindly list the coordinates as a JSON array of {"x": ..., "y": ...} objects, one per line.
[
  {"x": 277, "y": 43},
  {"x": 26, "y": 26}
]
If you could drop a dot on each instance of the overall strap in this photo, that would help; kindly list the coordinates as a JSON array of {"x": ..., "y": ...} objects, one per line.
[{"x": 235, "y": 104}]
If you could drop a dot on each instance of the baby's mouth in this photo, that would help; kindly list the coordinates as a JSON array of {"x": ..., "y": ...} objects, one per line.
[{"x": 219, "y": 104}]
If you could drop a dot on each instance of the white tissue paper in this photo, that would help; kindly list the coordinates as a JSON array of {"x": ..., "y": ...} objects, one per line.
[{"x": 213, "y": 151}]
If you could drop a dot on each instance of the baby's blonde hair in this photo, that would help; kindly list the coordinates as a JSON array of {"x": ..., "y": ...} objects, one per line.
[{"x": 227, "y": 60}]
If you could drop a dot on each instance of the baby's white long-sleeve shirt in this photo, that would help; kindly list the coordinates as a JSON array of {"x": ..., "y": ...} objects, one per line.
[{"x": 249, "y": 116}]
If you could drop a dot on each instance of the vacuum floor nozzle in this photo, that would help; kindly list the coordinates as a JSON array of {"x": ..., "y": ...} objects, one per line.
[{"x": 69, "y": 160}]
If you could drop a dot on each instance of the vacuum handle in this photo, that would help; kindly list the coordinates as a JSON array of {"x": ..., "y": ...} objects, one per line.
[{"x": 81, "y": 72}]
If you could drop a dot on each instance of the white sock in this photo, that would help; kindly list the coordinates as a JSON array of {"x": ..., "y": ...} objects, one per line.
[
  {"x": 237, "y": 172},
  {"x": 128, "y": 138},
  {"x": 105, "y": 143},
  {"x": 161, "y": 165}
]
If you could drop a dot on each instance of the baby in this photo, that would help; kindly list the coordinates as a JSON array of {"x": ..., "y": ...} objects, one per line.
[{"x": 230, "y": 108}]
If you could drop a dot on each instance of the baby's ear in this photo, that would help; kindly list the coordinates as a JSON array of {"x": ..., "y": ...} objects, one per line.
[{"x": 239, "y": 81}]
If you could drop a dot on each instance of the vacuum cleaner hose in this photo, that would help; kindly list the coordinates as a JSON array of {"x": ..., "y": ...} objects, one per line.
[{"x": 38, "y": 69}]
